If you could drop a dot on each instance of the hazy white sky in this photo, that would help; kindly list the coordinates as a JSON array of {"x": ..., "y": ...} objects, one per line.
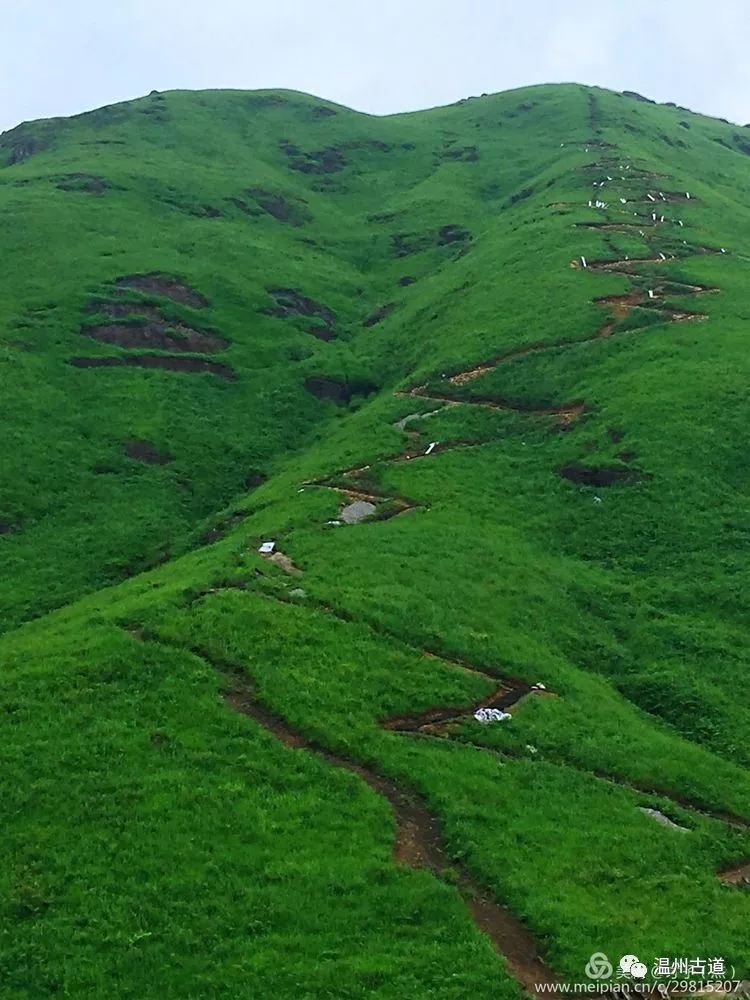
[{"x": 375, "y": 55}]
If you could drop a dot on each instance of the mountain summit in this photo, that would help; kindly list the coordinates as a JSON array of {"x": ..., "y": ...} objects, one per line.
[{"x": 372, "y": 514}]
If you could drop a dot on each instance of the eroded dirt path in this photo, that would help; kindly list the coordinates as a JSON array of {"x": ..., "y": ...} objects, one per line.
[
  {"x": 419, "y": 841},
  {"x": 350, "y": 483}
]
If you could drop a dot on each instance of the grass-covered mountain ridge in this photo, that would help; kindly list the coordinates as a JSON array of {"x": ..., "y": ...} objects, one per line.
[{"x": 480, "y": 374}]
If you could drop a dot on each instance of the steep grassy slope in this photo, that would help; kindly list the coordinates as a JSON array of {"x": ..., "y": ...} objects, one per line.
[{"x": 214, "y": 291}]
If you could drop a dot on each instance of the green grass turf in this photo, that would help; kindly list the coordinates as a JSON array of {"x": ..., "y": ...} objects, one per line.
[{"x": 158, "y": 844}]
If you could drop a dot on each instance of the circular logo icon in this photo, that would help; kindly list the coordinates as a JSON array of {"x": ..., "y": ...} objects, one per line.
[
  {"x": 627, "y": 962},
  {"x": 598, "y": 966}
]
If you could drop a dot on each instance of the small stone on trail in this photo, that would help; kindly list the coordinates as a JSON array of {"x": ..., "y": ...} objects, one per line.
[{"x": 357, "y": 511}]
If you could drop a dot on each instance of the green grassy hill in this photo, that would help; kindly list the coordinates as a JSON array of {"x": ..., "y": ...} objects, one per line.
[{"x": 516, "y": 328}]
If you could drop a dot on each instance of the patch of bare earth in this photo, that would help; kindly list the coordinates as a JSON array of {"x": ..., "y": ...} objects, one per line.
[
  {"x": 165, "y": 285},
  {"x": 164, "y": 361},
  {"x": 142, "y": 450},
  {"x": 157, "y": 336}
]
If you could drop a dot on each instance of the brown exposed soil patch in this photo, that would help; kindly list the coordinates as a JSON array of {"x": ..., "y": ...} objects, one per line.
[
  {"x": 282, "y": 561},
  {"x": 145, "y": 451},
  {"x": 119, "y": 310},
  {"x": 621, "y": 305},
  {"x": 586, "y": 475},
  {"x": 160, "y": 336},
  {"x": 338, "y": 390},
  {"x": 320, "y": 161},
  {"x": 739, "y": 876},
  {"x": 379, "y": 314},
  {"x": 290, "y": 302},
  {"x": 284, "y": 208},
  {"x": 165, "y": 361},
  {"x": 164, "y": 285}
]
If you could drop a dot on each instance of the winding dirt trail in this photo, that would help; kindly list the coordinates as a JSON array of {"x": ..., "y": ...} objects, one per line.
[
  {"x": 419, "y": 844},
  {"x": 618, "y": 306},
  {"x": 419, "y": 841}
]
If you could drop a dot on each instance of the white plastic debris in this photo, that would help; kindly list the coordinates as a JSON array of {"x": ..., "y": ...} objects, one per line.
[
  {"x": 302, "y": 490},
  {"x": 531, "y": 748},
  {"x": 267, "y": 548},
  {"x": 662, "y": 256},
  {"x": 653, "y": 216},
  {"x": 679, "y": 222},
  {"x": 491, "y": 715},
  {"x": 609, "y": 178},
  {"x": 650, "y": 197},
  {"x": 597, "y": 499},
  {"x": 336, "y": 523},
  {"x": 662, "y": 196},
  {"x": 538, "y": 687},
  {"x": 723, "y": 250},
  {"x": 583, "y": 262},
  {"x": 662, "y": 218},
  {"x": 431, "y": 448},
  {"x": 623, "y": 201},
  {"x": 687, "y": 195},
  {"x": 651, "y": 293}
]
